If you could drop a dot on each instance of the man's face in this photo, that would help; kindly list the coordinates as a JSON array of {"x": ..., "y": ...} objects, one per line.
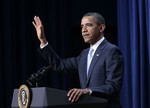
[{"x": 91, "y": 32}]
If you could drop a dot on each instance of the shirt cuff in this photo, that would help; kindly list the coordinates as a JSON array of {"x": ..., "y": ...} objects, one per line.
[
  {"x": 42, "y": 46},
  {"x": 90, "y": 91}
]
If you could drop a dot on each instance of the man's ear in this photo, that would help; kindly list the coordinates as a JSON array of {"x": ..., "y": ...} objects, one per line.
[{"x": 102, "y": 27}]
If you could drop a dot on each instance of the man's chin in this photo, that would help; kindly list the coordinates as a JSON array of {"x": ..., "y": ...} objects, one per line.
[{"x": 86, "y": 41}]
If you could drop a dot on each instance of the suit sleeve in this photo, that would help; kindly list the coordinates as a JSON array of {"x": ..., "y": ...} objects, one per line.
[{"x": 57, "y": 63}]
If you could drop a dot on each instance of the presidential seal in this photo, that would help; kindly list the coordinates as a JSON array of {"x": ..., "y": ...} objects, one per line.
[{"x": 23, "y": 97}]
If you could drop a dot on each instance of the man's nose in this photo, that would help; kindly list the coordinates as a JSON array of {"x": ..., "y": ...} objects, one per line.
[{"x": 84, "y": 29}]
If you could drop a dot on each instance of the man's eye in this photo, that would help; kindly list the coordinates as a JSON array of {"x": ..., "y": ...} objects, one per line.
[{"x": 89, "y": 24}]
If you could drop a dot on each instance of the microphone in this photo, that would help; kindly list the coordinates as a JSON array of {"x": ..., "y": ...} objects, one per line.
[{"x": 35, "y": 77}]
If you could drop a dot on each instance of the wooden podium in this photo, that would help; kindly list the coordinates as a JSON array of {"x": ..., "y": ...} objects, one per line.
[{"x": 44, "y": 97}]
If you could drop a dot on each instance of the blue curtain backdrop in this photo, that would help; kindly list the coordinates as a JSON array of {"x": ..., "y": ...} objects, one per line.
[{"x": 134, "y": 40}]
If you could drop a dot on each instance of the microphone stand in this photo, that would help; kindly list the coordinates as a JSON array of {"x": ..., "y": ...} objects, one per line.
[{"x": 35, "y": 77}]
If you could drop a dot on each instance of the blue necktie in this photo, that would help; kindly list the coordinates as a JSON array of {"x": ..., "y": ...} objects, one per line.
[{"x": 89, "y": 59}]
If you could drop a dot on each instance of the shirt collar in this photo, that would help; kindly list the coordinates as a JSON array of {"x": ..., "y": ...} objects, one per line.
[{"x": 97, "y": 44}]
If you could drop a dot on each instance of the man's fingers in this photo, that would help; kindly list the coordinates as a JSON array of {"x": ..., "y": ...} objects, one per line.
[
  {"x": 39, "y": 21},
  {"x": 78, "y": 96},
  {"x": 68, "y": 94},
  {"x": 74, "y": 94},
  {"x": 34, "y": 24}
]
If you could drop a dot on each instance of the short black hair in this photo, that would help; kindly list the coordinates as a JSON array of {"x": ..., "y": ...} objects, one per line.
[{"x": 99, "y": 19}]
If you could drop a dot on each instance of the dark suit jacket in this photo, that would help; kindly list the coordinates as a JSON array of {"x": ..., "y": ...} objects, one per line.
[{"x": 105, "y": 72}]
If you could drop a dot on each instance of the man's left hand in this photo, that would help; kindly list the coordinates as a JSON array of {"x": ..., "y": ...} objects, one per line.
[{"x": 75, "y": 94}]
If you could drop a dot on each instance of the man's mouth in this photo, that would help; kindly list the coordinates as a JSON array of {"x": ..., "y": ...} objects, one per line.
[{"x": 85, "y": 35}]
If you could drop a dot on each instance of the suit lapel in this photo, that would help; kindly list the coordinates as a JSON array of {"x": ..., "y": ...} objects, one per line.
[{"x": 96, "y": 56}]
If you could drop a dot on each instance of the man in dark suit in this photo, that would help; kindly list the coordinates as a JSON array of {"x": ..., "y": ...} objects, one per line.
[{"x": 100, "y": 67}]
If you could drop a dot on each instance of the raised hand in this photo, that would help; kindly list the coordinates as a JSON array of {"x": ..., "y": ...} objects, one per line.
[{"x": 39, "y": 30}]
